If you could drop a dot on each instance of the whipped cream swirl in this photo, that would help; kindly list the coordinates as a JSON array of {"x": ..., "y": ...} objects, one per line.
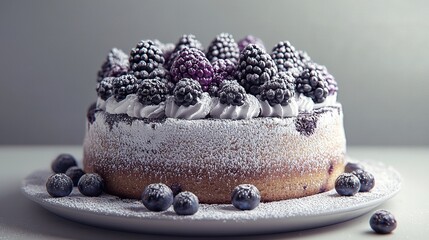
[
  {"x": 198, "y": 111},
  {"x": 133, "y": 108},
  {"x": 249, "y": 109},
  {"x": 306, "y": 104},
  {"x": 290, "y": 110}
]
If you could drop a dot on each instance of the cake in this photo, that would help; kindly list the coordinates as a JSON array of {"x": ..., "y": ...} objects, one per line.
[{"x": 206, "y": 122}]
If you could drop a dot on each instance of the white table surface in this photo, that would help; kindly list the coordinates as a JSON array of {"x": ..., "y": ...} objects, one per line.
[{"x": 22, "y": 219}]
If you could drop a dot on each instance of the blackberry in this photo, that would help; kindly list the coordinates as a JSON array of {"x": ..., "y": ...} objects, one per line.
[
  {"x": 105, "y": 88},
  {"x": 223, "y": 70},
  {"x": 383, "y": 222},
  {"x": 191, "y": 63},
  {"x": 303, "y": 57},
  {"x": 123, "y": 86},
  {"x": 146, "y": 61},
  {"x": 187, "y": 92},
  {"x": 63, "y": 162},
  {"x": 223, "y": 47},
  {"x": 323, "y": 71},
  {"x": 279, "y": 90},
  {"x": 249, "y": 39},
  {"x": 115, "y": 65},
  {"x": 186, "y": 41},
  {"x": 255, "y": 68},
  {"x": 232, "y": 93},
  {"x": 213, "y": 90},
  {"x": 166, "y": 48},
  {"x": 285, "y": 56},
  {"x": 152, "y": 91},
  {"x": 245, "y": 197},
  {"x": 312, "y": 84}
]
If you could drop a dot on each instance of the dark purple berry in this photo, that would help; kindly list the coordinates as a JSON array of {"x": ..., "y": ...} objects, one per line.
[
  {"x": 186, "y": 203},
  {"x": 187, "y": 92},
  {"x": 312, "y": 84},
  {"x": 323, "y": 71},
  {"x": 116, "y": 65},
  {"x": 249, "y": 39},
  {"x": 232, "y": 93},
  {"x": 278, "y": 90},
  {"x": 191, "y": 63},
  {"x": 285, "y": 56},
  {"x": 186, "y": 41},
  {"x": 223, "y": 70},
  {"x": 351, "y": 166},
  {"x": 91, "y": 185},
  {"x": 157, "y": 197},
  {"x": 366, "y": 179},
  {"x": 245, "y": 197},
  {"x": 152, "y": 91},
  {"x": 347, "y": 184},
  {"x": 223, "y": 47},
  {"x": 255, "y": 68},
  {"x": 63, "y": 162},
  {"x": 146, "y": 61},
  {"x": 59, "y": 185},
  {"x": 105, "y": 88},
  {"x": 124, "y": 85},
  {"x": 75, "y": 173},
  {"x": 383, "y": 222}
]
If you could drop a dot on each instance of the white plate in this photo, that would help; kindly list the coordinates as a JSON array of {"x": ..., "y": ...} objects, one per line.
[{"x": 289, "y": 215}]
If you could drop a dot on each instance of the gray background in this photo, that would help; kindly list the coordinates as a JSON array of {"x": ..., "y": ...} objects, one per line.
[{"x": 50, "y": 52}]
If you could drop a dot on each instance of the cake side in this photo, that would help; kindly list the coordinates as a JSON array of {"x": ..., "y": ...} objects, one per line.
[{"x": 283, "y": 157}]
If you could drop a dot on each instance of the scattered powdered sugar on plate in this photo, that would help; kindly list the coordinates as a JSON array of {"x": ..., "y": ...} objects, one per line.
[{"x": 294, "y": 214}]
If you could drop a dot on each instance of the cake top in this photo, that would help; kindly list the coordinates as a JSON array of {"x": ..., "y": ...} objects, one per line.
[{"x": 228, "y": 79}]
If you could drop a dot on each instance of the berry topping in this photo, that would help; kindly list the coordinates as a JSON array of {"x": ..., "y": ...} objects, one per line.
[
  {"x": 105, "y": 88},
  {"x": 90, "y": 114},
  {"x": 350, "y": 167},
  {"x": 347, "y": 184},
  {"x": 186, "y": 41},
  {"x": 187, "y": 92},
  {"x": 152, "y": 91},
  {"x": 124, "y": 85},
  {"x": 223, "y": 70},
  {"x": 278, "y": 90},
  {"x": 186, "y": 203},
  {"x": 191, "y": 63},
  {"x": 232, "y": 93},
  {"x": 166, "y": 48},
  {"x": 323, "y": 71},
  {"x": 91, "y": 185},
  {"x": 75, "y": 173},
  {"x": 255, "y": 68},
  {"x": 303, "y": 57},
  {"x": 285, "y": 56},
  {"x": 223, "y": 47},
  {"x": 249, "y": 39},
  {"x": 147, "y": 60},
  {"x": 63, "y": 162},
  {"x": 245, "y": 197},
  {"x": 59, "y": 185},
  {"x": 366, "y": 179},
  {"x": 383, "y": 222},
  {"x": 312, "y": 84},
  {"x": 116, "y": 65},
  {"x": 157, "y": 197}
]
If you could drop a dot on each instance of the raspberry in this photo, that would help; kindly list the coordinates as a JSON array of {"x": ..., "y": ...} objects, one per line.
[
  {"x": 249, "y": 39},
  {"x": 152, "y": 92},
  {"x": 186, "y": 41},
  {"x": 115, "y": 65},
  {"x": 255, "y": 68},
  {"x": 279, "y": 90},
  {"x": 223, "y": 47},
  {"x": 124, "y": 85},
  {"x": 232, "y": 93},
  {"x": 191, "y": 63},
  {"x": 285, "y": 56},
  {"x": 187, "y": 92},
  {"x": 147, "y": 60},
  {"x": 105, "y": 88},
  {"x": 312, "y": 84}
]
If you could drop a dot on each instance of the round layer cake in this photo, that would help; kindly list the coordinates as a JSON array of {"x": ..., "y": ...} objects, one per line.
[{"x": 283, "y": 157}]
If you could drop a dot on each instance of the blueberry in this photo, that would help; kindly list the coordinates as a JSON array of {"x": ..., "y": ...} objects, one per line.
[
  {"x": 75, "y": 173},
  {"x": 186, "y": 203},
  {"x": 59, "y": 185},
  {"x": 91, "y": 185},
  {"x": 350, "y": 167},
  {"x": 245, "y": 197},
  {"x": 63, "y": 162},
  {"x": 366, "y": 179},
  {"x": 383, "y": 222},
  {"x": 157, "y": 197},
  {"x": 347, "y": 184}
]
